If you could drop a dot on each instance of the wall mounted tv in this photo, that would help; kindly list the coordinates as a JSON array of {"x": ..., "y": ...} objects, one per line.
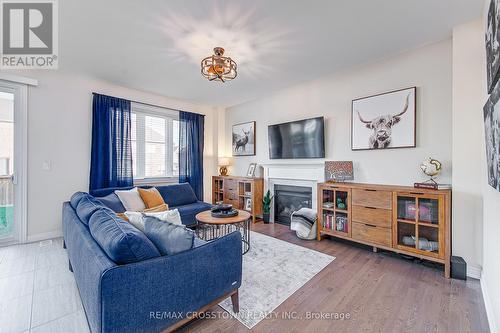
[{"x": 297, "y": 139}]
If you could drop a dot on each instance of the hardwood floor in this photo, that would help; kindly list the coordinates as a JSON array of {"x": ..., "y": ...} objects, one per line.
[{"x": 380, "y": 291}]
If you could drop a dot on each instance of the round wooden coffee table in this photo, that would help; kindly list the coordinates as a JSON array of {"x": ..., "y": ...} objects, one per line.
[{"x": 210, "y": 227}]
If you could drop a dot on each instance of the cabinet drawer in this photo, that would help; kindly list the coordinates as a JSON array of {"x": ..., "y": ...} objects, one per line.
[
  {"x": 230, "y": 185},
  {"x": 372, "y": 198},
  {"x": 232, "y": 202},
  {"x": 377, "y": 216},
  {"x": 371, "y": 234}
]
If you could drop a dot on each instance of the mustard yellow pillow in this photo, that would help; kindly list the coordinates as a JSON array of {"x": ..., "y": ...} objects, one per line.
[
  {"x": 157, "y": 209},
  {"x": 151, "y": 197}
]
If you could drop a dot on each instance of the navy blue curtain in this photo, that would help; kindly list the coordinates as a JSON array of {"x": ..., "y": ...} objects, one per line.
[
  {"x": 111, "y": 156},
  {"x": 191, "y": 143}
]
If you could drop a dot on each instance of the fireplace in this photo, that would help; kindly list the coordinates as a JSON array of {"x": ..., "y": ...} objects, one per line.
[{"x": 288, "y": 199}]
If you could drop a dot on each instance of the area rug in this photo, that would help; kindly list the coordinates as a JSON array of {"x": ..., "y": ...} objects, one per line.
[{"x": 272, "y": 271}]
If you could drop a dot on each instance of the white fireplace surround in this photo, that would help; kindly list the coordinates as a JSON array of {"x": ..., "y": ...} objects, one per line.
[{"x": 307, "y": 175}]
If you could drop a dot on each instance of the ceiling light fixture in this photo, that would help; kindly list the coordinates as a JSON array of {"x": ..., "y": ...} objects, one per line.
[{"x": 217, "y": 67}]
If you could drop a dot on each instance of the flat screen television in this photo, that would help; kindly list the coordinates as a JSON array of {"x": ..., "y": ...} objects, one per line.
[{"x": 297, "y": 139}]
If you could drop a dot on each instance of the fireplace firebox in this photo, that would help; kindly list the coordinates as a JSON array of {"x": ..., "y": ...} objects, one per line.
[{"x": 288, "y": 199}]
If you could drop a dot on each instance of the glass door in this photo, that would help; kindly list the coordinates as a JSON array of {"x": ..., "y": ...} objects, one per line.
[
  {"x": 6, "y": 165},
  {"x": 12, "y": 157}
]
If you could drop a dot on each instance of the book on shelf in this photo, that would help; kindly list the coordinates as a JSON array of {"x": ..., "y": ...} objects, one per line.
[{"x": 432, "y": 186}]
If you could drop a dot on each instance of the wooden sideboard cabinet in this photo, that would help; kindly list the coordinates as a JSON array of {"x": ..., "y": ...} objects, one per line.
[
  {"x": 407, "y": 220},
  {"x": 243, "y": 193}
]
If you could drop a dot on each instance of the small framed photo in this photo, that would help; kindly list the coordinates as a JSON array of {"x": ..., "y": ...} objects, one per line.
[
  {"x": 248, "y": 204},
  {"x": 251, "y": 169}
]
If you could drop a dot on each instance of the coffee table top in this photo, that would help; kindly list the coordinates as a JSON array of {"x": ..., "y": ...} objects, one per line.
[{"x": 207, "y": 218}]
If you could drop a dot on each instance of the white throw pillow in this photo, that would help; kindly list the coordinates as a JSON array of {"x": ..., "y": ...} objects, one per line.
[
  {"x": 137, "y": 218},
  {"x": 131, "y": 200}
]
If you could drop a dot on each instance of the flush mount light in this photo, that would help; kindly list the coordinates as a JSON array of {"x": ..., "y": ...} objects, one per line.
[{"x": 217, "y": 67}]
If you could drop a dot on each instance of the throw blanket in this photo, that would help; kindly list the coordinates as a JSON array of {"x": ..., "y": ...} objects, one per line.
[{"x": 303, "y": 222}]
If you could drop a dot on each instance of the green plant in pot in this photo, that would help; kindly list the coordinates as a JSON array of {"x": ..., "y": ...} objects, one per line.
[{"x": 266, "y": 206}]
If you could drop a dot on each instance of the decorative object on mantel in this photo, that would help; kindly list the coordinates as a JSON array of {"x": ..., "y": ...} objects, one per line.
[
  {"x": 431, "y": 168},
  {"x": 244, "y": 139},
  {"x": 251, "y": 169},
  {"x": 492, "y": 37},
  {"x": 219, "y": 68},
  {"x": 224, "y": 162},
  {"x": 491, "y": 113},
  {"x": 266, "y": 206},
  {"x": 384, "y": 121},
  {"x": 338, "y": 171}
]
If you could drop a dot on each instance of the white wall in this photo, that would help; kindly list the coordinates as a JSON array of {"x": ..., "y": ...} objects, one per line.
[
  {"x": 428, "y": 68},
  {"x": 59, "y": 131},
  {"x": 469, "y": 75}
]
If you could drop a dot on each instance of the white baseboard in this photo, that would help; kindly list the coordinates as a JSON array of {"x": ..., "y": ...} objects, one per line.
[
  {"x": 474, "y": 272},
  {"x": 44, "y": 236},
  {"x": 488, "y": 306}
]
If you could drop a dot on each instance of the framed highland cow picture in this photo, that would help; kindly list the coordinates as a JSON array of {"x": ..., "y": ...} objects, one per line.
[
  {"x": 244, "y": 139},
  {"x": 384, "y": 121}
]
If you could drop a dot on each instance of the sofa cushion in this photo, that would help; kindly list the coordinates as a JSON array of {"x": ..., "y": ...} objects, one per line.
[
  {"x": 137, "y": 218},
  {"x": 188, "y": 212},
  {"x": 122, "y": 242},
  {"x": 168, "y": 237},
  {"x": 75, "y": 198},
  {"x": 87, "y": 206},
  {"x": 178, "y": 194},
  {"x": 151, "y": 197},
  {"x": 112, "y": 202}
]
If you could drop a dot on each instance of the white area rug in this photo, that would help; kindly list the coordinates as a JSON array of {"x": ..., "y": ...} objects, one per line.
[{"x": 272, "y": 271}]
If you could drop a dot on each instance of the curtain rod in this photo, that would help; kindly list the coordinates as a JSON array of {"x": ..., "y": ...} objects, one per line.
[{"x": 148, "y": 104}]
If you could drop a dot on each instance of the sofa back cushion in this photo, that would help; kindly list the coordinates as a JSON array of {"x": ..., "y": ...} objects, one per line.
[
  {"x": 86, "y": 207},
  {"x": 122, "y": 242},
  {"x": 168, "y": 237},
  {"x": 112, "y": 202},
  {"x": 178, "y": 194},
  {"x": 75, "y": 199}
]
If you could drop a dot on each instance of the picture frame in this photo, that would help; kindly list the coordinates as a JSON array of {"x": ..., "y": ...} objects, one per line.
[
  {"x": 243, "y": 139},
  {"x": 338, "y": 171},
  {"x": 491, "y": 113},
  {"x": 248, "y": 204},
  {"x": 492, "y": 41},
  {"x": 251, "y": 169},
  {"x": 385, "y": 121}
]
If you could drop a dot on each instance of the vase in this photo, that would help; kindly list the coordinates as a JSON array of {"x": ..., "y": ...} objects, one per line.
[{"x": 265, "y": 217}]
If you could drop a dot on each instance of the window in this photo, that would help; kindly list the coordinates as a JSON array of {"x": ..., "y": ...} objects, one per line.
[{"x": 155, "y": 142}]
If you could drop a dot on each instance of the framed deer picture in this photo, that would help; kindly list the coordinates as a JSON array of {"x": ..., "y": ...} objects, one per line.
[
  {"x": 384, "y": 121},
  {"x": 244, "y": 139}
]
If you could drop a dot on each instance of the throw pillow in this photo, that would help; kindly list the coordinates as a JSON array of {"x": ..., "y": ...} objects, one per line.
[
  {"x": 168, "y": 238},
  {"x": 137, "y": 218},
  {"x": 131, "y": 200},
  {"x": 112, "y": 202},
  {"x": 157, "y": 209},
  {"x": 151, "y": 197}
]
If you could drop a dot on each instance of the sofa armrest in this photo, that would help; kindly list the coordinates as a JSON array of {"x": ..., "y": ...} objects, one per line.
[{"x": 151, "y": 295}]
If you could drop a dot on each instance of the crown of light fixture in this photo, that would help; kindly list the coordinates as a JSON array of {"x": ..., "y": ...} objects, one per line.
[{"x": 217, "y": 67}]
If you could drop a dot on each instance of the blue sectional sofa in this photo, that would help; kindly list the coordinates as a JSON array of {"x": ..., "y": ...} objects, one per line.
[
  {"x": 180, "y": 196},
  {"x": 127, "y": 286}
]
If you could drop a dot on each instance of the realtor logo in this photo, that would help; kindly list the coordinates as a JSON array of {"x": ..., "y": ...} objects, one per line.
[{"x": 29, "y": 34}]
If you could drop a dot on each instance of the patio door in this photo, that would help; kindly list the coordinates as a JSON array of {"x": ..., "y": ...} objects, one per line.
[{"x": 12, "y": 162}]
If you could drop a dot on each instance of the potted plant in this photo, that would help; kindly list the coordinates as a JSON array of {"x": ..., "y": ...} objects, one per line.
[{"x": 266, "y": 208}]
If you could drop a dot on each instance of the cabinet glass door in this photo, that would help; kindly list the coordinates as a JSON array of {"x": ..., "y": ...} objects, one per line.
[{"x": 428, "y": 211}]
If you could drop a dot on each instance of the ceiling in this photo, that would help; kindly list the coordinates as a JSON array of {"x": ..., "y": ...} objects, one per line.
[{"x": 157, "y": 45}]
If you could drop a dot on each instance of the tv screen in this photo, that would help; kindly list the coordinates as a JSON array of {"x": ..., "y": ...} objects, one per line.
[{"x": 297, "y": 139}]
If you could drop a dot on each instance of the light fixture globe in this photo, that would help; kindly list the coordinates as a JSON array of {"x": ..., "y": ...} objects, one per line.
[{"x": 217, "y": 67}]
